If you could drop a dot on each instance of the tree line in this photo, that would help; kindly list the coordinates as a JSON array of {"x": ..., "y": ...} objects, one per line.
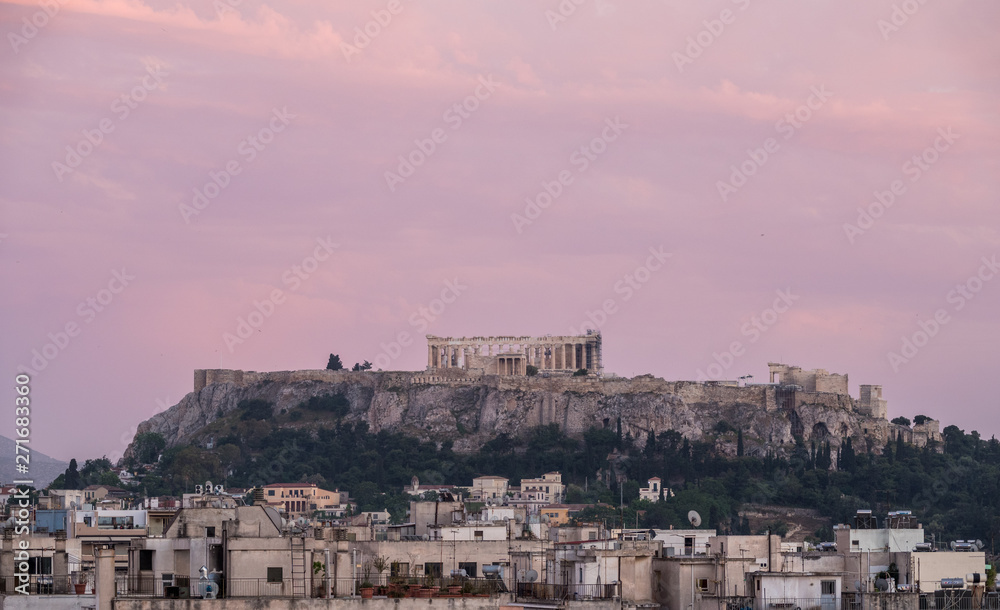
[{"x": 955, "y": 493}]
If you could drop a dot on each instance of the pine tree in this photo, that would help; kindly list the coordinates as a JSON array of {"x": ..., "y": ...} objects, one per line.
[
  {"x": 334, "y": 364},
  {"x": 72, "y": 479},
  {"x": 739, "y": 443},
  {"x": 848, "y": 461}
]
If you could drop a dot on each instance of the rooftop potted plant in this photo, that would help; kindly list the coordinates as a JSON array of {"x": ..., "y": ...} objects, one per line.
[{"x": 367, "y": 590}]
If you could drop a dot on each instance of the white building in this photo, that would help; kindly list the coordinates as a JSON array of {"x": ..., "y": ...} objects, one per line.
[
  {"x": 468, "y": 532},
  {"x": 652, "y": 490},
  {"x": 801, "y": 589}
]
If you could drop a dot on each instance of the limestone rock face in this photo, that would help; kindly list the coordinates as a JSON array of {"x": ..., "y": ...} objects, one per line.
[{"x": 472, "y": 409}]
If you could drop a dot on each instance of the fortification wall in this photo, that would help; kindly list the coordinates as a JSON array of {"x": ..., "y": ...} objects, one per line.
[
  {"x": 815, "y": 380},
  {"x": 470, "y": 408}
]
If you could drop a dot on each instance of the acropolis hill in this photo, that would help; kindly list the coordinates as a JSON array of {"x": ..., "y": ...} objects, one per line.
[{"x": 477, "y": 388}]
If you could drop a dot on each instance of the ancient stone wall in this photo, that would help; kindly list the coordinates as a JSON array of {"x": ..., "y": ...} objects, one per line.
[
  {"x": 470, "y": 408},
  {"x": 815, "y": 380},
  {"x": 871, "y": 403}
]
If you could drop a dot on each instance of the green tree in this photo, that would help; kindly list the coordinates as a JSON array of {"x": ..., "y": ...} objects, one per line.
[
  {"x": 366, "y": 366},
  {"x": 72, "y": 480},
  {"x": 902, "y": 421},
  {"x": 147, "y": 447},
  {"x": 531, "y": 370},
  {"x": 334, "y": 363},
  {"x": 335, "y": 404},
  {"x": 255, "y": 409},
  {"x": 739, "y": 443}
]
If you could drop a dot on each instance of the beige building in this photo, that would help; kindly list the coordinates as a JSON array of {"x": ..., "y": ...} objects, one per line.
[
  {"x": 490, "y": 489},
  {"x": 548, "y": 489},
  {"x": 55, "y": 499},
  {"x": 603, "y": 569},
  {"x": 303, "y": 499},
  {"x": 513, "y": 355},
  {"x": 560, "y": 514},
  {"x": 425, "y": 515}
]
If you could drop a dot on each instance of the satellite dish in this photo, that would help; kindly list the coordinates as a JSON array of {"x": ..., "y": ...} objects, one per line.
[
  {"x": 531, "y": 576},
  {"x": 694, "y": 518}
]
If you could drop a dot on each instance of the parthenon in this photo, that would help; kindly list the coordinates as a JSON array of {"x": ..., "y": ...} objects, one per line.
[{"x": 513, "y": 355}]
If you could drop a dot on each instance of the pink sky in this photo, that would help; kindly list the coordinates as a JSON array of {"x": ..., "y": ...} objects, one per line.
[{"x": 659, "y": 131}]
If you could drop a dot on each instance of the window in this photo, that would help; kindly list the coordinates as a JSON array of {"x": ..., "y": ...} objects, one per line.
[
  {"x": 39, "y": 565},
  {"x": 592, "y": 535},
  {"x": 274, "y": 575},
  {"x": 703, "y": 585},
  {"x": 477, "y": 535},
  {"x": 828, "y": 587},
  {"x": 270, "y": 492},
  {"x": 145, "y": 559},
  {"x": 471, "y": 568},
  {"x": 399, "y": 568},
  {"x": 432, "y": 569}
]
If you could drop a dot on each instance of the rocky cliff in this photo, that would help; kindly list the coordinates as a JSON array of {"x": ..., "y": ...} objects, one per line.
[{"x": 470, "y": 409}]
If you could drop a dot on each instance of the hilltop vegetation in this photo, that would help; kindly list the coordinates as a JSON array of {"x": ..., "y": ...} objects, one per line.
[{"x": 955, "y": 494}]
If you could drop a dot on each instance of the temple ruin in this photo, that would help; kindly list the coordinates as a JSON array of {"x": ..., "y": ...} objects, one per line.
[{"x": 513, "y": 355}]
